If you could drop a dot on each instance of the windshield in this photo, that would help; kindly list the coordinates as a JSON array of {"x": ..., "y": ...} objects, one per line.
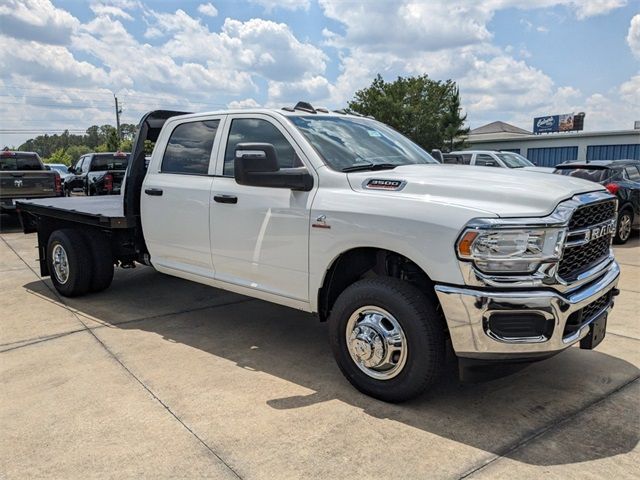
[
  {"x": 514, "y": 160},
  {"x": 20, "y": 161},
  {"x": 59, "y": 168},
  {"x": 593, "y": 174},
  {"x": 108, "y": 161},
  {"x": 345, "y": 143}
]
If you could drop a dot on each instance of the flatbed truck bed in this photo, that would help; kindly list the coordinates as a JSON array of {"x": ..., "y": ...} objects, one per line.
[{"x": 101, "y": 211}]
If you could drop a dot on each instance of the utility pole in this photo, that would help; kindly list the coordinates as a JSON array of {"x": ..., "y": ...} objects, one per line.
[{"x": 118, "y": 112}]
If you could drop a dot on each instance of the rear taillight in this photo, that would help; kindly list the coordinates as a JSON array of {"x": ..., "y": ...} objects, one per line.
[
  {"x": 612, "y": 187},
  {"x": 108, "y": 182},
  {"x": 58, "y": 183}
]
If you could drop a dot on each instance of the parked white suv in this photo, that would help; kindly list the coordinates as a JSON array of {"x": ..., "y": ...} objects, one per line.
[
  {"x": 495, "y": 158},
  {"x": 342, "y": 216}
]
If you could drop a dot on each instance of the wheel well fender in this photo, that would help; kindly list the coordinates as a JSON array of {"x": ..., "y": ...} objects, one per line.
[{"x": 364, "y": 262}]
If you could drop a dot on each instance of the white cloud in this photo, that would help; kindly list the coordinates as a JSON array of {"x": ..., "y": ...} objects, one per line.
[
  {"x": 271, "y": 50},
  {"x": 308, "y": 89},
  {"x": 392, "y": 26},
  {"x": 591, "y": 8},
  {"x": 112, "y": 10},
  {"x": 257, "y": 46},
  {"x": 633, "y": 36},
  {"x": 630, "y": 93},
  {"x": 37, "y": 20},
  {"x": 208, "y": 9},
  {"x": 53, "y": 63},
  {"x": 270, "y": 5},
  {"x": 246, "y": 103}
]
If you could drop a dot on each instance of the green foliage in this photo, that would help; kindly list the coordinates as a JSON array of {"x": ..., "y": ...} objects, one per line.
[
  {"x": 452, "y": 124},
  {"x": 76, "y": 151},
  {"x": 126, "y": 145},
  {"x": 427, "y": 111},
  {"x": 148, "y": 147},
  {"x": 60, "y": 156},
  {"x": 96, "y": 139}
]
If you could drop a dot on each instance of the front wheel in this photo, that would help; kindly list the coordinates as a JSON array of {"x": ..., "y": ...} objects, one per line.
[
  {"x": 387, "y": 338},
  {"x": 623, "y": 228}
]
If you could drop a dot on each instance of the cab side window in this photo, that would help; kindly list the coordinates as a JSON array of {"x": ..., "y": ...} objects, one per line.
[
  {"x": 633, "y": 174},
  {"x": 78, "y": 167},
  {"x": 255, "y": 130},
  {"x": 189, "y": 148},
  {"x": 486, "y": 160}
]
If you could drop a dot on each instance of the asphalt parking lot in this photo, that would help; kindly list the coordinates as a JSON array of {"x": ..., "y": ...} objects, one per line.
[{"x": 159, "y": 377}]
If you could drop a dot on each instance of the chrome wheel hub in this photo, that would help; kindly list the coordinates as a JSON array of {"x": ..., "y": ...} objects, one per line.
[
  {"x": 624, "y": 229},
  {"x": 376, "y": 342},
  {"x": 60, "y": 264}
]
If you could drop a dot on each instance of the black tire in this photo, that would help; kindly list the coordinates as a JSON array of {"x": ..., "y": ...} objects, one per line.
[
  {"x": 625, "y": 218},
  {"x": 78, "y": 262},
  {"x": 423, "y": 328},
  {"x": 102, "y": 259}
]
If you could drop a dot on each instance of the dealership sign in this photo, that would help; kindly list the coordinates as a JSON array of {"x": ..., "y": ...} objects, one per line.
[{"x": 558, "y": 123}]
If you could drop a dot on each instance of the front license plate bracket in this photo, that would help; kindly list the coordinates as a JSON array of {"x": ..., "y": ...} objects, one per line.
[{"x": 597, "y": 332}]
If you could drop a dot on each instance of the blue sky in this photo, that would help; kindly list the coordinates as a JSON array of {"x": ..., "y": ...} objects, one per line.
[{"x": 62, "y": 61}]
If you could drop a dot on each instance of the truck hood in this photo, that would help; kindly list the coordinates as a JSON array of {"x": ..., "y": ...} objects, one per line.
[{"x": 501, "y": 191}]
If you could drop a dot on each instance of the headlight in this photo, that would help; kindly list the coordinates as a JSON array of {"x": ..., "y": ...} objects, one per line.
[{"x": 517, "y": 250}]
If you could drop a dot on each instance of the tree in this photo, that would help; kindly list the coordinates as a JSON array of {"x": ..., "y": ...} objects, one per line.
[
  {"x": 453, "y": 124},
  {"x": 128, "y": 131},
  {"x": 415, "y": 106},
  {"x": 60, "y": 156},
  {"x": 113, "y": 142},
  {"x": 76, "y": 151},
  {"x": 93, "y": 136}
]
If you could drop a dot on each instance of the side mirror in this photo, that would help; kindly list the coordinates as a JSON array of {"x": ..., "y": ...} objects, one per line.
[
  {"x": 437, "y": 154},
  {"x": 71, "y": 169},
  {"x": 256, "y": 164},
  {"x": 47, "y": 167}
]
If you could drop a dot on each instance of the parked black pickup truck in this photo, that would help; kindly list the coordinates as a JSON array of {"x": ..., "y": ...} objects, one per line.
[
  {"x": 24, "y": 176},
  {"x": 97, "y": 174}
]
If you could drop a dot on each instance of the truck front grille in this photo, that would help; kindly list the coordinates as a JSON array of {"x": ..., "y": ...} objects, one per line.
[
  {"x": 592, "y": 214},
  {"x": 580, "y": 258}
]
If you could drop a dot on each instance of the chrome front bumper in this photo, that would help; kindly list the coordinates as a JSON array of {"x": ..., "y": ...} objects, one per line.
[{"x": 467, "y": 311}]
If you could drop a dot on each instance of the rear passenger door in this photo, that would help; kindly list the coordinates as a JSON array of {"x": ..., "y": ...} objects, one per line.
[{"x": 176, "y": 194}]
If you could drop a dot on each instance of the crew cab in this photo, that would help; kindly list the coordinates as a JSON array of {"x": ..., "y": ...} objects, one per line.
[
  {"x": 343, "y": 216},
  {"x": 97, "y": 174},
  {"x": 493, "y": 158},
  {"x": 622, "y": 179},
  {"x": 23, "y": 176}
]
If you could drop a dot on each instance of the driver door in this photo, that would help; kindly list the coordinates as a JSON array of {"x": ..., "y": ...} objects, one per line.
[{"x": 260, "y": 235}]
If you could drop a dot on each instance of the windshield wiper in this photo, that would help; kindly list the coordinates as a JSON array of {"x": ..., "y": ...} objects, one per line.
[{"x": 369, "y": 166}]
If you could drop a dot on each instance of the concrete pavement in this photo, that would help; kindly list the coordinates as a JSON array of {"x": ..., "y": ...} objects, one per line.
[{"x": 162, "y": 378}]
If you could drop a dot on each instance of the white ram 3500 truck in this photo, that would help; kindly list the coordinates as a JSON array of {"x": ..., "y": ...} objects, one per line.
[{"x": 341, "y": 215}]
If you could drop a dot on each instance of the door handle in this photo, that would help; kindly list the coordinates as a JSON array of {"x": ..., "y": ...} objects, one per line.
[
  {"x": 155, "y": 192},
  {"x": 225, "y": 198}
]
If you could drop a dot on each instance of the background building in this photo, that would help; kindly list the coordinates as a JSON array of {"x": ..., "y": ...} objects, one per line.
[{"x": 549, "y": 149}]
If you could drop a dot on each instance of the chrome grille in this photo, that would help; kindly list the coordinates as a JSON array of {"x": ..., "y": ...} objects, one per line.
[
  {"x": 592, "y": 214},
  {"x": 580, "y": 258}
]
